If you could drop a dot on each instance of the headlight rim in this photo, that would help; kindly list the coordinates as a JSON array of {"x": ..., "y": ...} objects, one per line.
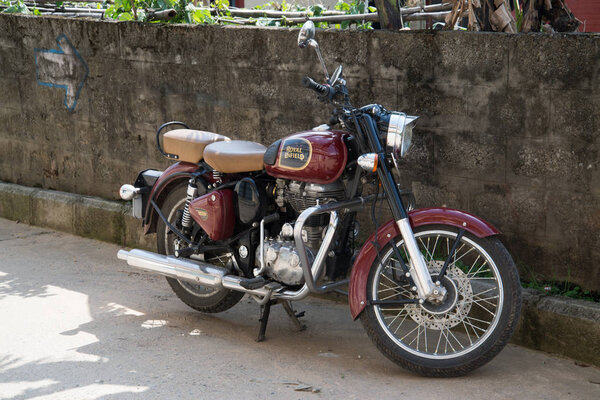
[{"x": 398, "y": 139}]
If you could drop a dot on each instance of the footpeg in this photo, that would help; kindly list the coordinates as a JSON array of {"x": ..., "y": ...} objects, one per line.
[{"x": 254, "y": 283}]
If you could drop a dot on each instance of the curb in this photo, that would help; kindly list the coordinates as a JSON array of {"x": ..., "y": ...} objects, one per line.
[
  {"x": 553, "y": 324},
  {"x": 560, "y": 325},
  {"x": 91, "y": 217}
]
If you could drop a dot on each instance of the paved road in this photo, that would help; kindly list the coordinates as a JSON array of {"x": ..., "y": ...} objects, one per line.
[{"x": 76, "y": 323}]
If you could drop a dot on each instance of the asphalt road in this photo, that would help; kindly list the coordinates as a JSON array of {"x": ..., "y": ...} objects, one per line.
[{"x": 76, "y": 323}]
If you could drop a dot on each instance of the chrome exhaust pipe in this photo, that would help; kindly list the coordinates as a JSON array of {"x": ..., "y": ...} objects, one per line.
[
  {"x": 196, "y": 272},
  {"x": 183, "y": 269}
]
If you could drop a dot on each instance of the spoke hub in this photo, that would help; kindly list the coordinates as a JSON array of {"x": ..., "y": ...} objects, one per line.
[
  {"x": 448, "y": 302},
  {"x": 456, "y": 305}
]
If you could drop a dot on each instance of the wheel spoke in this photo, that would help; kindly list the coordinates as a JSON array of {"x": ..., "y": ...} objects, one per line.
[
  {"x": 438, "y": 343},
  {"x": 467, "y": 331},
  {"x": 426, "y": 248},
  {"x": 437, "y": 238},
  {"x": 402, "y": 338},
  {"x": 455, "y": 338},
  {"x": 398, "y": 290},
  {"x": 482, "y": 307},
  {"x": 400, "y": 323},
  {"x": 479, "y": 270},
  {"x": 396, "y": 317},
  {"x": 447, "y": 339},
  {"x": 486, "y": 300},
  {"x": 461, "y": 257}
]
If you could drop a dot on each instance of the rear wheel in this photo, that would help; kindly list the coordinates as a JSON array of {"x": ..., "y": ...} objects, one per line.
[
  {"x": 198, "y": 297},
  {"x": 468, "y": 328}
]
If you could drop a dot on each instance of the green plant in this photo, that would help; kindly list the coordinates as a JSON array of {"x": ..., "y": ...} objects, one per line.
[
  {"x": 188, "y": 13},
  {"x": 518, "y": 14},
  {"x": 18, "y": 7},
  {"x": 554, "y": 288},
  {"x": 355, "y": 7}
]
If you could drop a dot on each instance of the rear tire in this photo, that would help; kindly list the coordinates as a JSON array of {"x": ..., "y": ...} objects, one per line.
[
  {"x": 198, "y": 297},
  {"x": 466, "y": 331}
]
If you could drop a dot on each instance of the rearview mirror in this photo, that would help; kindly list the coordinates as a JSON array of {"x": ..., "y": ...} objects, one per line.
[{"x": 307, "y": 33}]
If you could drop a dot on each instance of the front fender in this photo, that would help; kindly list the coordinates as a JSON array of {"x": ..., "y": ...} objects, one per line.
[{"x": 357, "y": 291}]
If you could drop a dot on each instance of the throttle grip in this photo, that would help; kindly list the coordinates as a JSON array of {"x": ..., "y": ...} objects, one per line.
[{"x": 317, "y": 87}]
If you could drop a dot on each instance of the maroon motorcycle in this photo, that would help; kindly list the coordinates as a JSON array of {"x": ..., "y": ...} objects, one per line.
[{"x": 435, "y": 289}]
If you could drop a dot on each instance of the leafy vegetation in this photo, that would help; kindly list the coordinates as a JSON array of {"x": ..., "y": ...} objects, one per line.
[
  {"x": 185, "y": 12},
  {"x": 556, "y": 288},
  {"x": 18, "y": 7}
]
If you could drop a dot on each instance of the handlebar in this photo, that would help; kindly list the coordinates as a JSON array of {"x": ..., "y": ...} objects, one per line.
[{"x": 324, "y": 91}]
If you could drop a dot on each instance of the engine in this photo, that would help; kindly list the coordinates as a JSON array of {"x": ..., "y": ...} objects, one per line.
[
  {"x": 282, "y": 262},
  {"x": 301, "y": 195}
]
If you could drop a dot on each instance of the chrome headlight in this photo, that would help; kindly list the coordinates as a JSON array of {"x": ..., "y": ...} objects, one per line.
[{"x": 399, "y": 133}]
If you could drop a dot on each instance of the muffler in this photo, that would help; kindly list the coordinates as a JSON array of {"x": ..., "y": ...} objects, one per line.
[
  {"x": 198, "y": 272},
  {"x": 183, "y": 269}
]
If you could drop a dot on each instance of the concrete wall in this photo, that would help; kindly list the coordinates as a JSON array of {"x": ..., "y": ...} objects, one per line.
[{"x": 509, "y": 127}]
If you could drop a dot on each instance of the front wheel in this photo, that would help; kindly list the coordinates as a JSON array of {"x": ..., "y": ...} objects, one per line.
[{"x": 466, "y": 330}]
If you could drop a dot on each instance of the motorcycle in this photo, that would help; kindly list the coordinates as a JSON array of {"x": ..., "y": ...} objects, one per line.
[{"x": 434, "y": 288}]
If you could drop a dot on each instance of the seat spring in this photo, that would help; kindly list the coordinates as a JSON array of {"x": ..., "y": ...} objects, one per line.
[{"x": 217, "y": 176}]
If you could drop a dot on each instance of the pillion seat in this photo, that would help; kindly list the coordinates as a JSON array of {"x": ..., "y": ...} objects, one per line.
[
  {"x": 189, "y": 145},
  {"x": 235, "y": 156}
]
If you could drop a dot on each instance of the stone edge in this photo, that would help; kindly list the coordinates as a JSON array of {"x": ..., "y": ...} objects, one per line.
[
  {"x": 91, "y": 217},
  {"x": 557, "y": 325}
]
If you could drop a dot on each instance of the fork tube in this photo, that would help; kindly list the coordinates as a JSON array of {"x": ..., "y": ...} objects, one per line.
[{"x": 425, "y": 286}]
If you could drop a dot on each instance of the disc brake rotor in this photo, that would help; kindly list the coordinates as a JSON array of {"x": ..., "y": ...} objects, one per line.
[{"x": 463, "y": 301}]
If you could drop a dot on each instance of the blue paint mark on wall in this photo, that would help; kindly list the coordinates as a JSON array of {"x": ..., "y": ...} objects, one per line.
[{"x": 62, "y": 68}]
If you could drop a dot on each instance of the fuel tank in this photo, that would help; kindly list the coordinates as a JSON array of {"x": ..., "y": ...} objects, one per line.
[{"x": 311, "y": 156}]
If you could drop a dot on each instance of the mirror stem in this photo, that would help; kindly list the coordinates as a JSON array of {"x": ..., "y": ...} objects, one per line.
[{"x": 313, "y": 43}]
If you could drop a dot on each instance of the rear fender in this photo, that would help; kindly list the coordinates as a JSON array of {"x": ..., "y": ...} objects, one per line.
[
  {"x": 172, "y": 176},
  {"x": 357, "y": 291}
]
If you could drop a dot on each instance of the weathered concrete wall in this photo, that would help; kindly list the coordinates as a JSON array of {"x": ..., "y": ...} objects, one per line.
[{"x": 509, "y": 127}]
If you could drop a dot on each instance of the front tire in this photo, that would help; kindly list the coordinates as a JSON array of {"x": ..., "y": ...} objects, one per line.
[
  {"x": 469, "y": 328},
  {"x": 198, "y": 297}
]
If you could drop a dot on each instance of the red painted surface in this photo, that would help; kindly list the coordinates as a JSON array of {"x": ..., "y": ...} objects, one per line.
[
  {"x": 214, "y": 213},
  {"x": 357, "y": 290},
  {"x": 327, "y": 159},
  {"x": 449, "y": 216},
  {"x": 588, "y": 12},
  {"x": 167, "y": 175}
]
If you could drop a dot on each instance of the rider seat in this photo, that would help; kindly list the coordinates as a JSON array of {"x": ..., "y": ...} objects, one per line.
[
  {"x": 189, "y": 145},
  {"x": 235, "y": 156}
]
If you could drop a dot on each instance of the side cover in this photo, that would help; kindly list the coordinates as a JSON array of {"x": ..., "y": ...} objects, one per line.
[
  {"x": 357, "y": 291},
  {"x": 214, "y": 212}
]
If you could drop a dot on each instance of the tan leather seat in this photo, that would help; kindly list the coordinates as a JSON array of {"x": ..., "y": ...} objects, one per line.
[
  {"x": 235, "y": 156},
  {"x": 188, "y": 144}
]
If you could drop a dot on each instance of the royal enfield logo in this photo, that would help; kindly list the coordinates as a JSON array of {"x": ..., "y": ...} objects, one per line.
[
  {"x": 202, "y": 213},
  {"x": 295, "y": 154}
]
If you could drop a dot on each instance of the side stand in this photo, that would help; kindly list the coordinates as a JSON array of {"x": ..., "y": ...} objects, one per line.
[{"x": 265, "y": 311}]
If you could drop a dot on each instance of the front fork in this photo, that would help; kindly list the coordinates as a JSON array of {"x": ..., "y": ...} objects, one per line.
[
  {"x": 426, "y": 288},
  {"x": 418, "y": 272}
]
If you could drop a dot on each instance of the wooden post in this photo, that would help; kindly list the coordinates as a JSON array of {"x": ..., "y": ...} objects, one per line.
[{"x": 389, "y": 14}]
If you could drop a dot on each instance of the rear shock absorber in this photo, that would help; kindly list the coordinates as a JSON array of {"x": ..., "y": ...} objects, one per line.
[{"x": 192, "y": 193}]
